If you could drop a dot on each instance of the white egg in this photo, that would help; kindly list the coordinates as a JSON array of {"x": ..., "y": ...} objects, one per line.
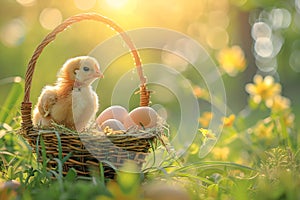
[
  {"x": 113, "y": 124},
  {"x": 114, "y": 112},
  {"x": 145, "y": 117}
]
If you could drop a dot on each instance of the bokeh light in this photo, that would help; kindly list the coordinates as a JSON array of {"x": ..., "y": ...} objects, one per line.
[
  {"x": 277, "y": 41},
  {"x": 264, "y": 16},
  {"x": 181, "y": 47},
  {"x": 297, "y": 5},
  {"x": 263, "y": 47},
  {"x": 26, "y": 2},
  {"x": 198, "y": 30},
  {"x": 217, "y": 38},
  {"x": 120, "y": 7},
  {"x": 266, "y": 64},
  {"x": 218, "y": 19},
  {"x": 268, "y": 36},
  {"x": 195, "y": 29},
  {"x": 12, "y": 34},
  {"x": 280, "y": 18},
  {"x": 174, "y": 61},
  {"x": 85, "y": 4},
  {"x": 50, "y": 18},
  {"x": 261, "y": 29},
  {"x": 294, "y": 60}
]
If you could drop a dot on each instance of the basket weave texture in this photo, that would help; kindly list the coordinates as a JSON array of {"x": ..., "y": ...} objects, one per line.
[{"x": 115, "y": 149}]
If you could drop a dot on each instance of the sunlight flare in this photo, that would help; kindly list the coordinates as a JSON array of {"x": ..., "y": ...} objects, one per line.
[{"x": 117, "y": 3}]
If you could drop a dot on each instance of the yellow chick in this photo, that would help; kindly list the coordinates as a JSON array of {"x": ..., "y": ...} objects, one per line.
[{"x": 71, "y": 101}]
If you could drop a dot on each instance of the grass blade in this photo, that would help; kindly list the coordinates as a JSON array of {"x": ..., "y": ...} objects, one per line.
[
  {"x": 66, "y": 157},
  {"x": 13, "y": 99},
  {"x": 207, "y": 164},
  {"x": 44, "y": 157},
  {"x": 60, "y": 157},
  {"x": 59, "y": 167},
  {"x": 102, "y": 177}
]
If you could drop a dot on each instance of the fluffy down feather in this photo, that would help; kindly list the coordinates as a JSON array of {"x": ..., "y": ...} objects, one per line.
[{"x": 71, "y": 101}]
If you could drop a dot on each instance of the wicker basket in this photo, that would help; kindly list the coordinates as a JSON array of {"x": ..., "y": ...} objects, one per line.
[{"x": 115, "y": 149}]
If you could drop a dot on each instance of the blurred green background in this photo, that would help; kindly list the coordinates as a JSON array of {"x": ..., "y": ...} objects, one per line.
[{"x": 268, "y": 31}]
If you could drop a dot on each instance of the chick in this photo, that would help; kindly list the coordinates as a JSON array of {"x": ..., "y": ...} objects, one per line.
[{"x": 71, "y": 101}]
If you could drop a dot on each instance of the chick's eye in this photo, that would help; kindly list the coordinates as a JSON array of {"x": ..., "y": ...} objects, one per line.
[{"x": 86, "y": 69}]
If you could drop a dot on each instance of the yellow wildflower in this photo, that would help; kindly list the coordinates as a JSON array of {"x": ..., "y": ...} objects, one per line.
[
  {"x": 232, "y": 60},
  {"x": 193, "y": 149},
  {"x": 279, "y": 103},
  {"x": 288, "y": 119},
  {"x": 264, "y": 131},
  {"x": 220, "y": 153},
  {"x": 207, "y": 133},
  {"x": 200, "y": 92},
  {"x": 228, "y": 121},
  {"x": 205, "y": 119},
  {"x": 263, "y": 89}
]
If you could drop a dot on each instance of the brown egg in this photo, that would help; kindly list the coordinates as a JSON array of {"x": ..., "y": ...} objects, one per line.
[
  {"x": 128, "y": 123},
  {"x": 114, "y": 112},
  {"x": 144, "y": 117},
  {"x": 113, "y": 124}
]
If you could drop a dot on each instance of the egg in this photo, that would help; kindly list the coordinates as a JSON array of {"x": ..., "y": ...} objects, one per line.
[
  {"x": 113, "y": 124},
  {"x": 129, "y": 123},
  {"x": 114, "y": 112},
  {"x": 144, "y": 117}
]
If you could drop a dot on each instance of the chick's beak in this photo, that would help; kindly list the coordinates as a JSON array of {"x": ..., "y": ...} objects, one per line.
[{"x": 98, "y": 74}]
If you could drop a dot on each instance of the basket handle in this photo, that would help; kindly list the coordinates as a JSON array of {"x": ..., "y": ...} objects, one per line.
[{"x": 26, "y": 104}]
